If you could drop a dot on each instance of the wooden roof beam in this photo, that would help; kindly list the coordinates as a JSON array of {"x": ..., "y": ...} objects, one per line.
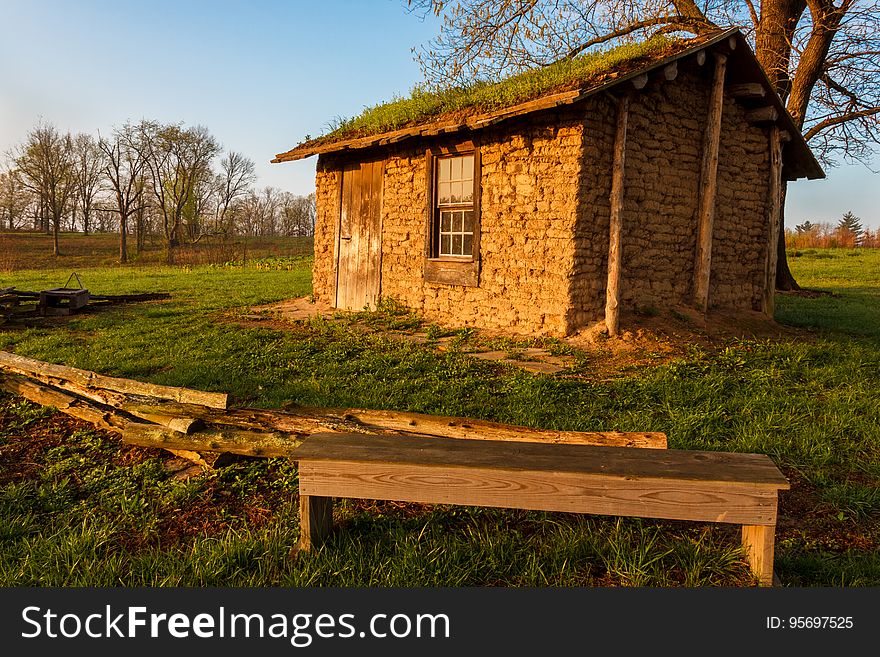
[
  {"x": 766, "y": 114},
  {"x": 640, "y": 81},
  {"x": 747, "y": 90}
]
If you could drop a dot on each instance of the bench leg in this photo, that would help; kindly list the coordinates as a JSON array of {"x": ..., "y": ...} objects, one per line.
[
  {"x": 758, "y": 541},
  {"x": 315, "y": 520}
]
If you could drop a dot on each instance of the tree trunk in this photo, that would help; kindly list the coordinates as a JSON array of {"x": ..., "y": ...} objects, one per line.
[
  {"x": 773, "y": 39},
  {"x": 784, "y": 278},
  {"x": 55, "y": 224},
  {"x": 123, "y": 231},
  {"x": 85, "y": 222}
]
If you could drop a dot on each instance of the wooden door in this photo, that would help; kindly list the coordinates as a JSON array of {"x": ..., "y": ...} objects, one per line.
[{"x": 359, "y": 261}]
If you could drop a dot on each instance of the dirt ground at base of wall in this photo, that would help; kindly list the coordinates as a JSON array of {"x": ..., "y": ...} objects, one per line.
[{"x": 645, "y": 339}]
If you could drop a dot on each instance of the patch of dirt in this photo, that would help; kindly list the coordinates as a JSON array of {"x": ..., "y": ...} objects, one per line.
[
  {"x": 656, "y": 338},
  {"x": 805, "y": 518},
  {"x": 21, "y": 452},
  {"x": 293, "y": 310}
]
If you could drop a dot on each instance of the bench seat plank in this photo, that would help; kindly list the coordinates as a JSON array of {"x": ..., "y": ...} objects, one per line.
[
  {"x": 756, "y": 470},
  {"x": 538, "y": 491}
]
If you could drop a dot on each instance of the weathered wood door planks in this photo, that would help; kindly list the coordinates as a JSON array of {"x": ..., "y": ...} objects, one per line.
[{"x": 359, "y": 264}]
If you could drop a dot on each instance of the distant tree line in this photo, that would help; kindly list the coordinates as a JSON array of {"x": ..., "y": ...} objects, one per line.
[
  {"x": 144, "y": 181},
  {"x": 848, "y": 232}
]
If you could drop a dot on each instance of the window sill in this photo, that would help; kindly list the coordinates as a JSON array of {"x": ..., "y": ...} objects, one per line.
[
  {"x": 459, "y": 259},
  {"x": 453, "y": 271}
]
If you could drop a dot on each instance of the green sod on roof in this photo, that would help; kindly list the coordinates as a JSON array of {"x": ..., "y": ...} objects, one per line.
[{"x": 425, "y": 106}]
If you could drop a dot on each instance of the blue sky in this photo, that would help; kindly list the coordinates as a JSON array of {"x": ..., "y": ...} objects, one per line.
[{"x": 260, "y": 75}]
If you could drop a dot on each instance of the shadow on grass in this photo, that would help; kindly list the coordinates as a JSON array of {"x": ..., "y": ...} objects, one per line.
[{"x": 851, "y": 311}]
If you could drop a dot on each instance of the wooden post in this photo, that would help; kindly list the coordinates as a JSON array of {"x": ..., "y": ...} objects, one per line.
[
  {"x": 774, "y": 205},
  {"x": 708, "y": 187},
  {"x": 315, "y": 521},
  {"x": 758, "y": 540},
  {"x": 612, "y": 290}
]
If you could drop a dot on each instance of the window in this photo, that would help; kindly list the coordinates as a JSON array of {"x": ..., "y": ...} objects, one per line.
[
  {"x": 455, "y": 206},
  {"x": 453, "y": 220}
]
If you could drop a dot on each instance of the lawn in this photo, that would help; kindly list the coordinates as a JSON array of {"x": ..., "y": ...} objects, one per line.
[{"x": 79, "y": 508}]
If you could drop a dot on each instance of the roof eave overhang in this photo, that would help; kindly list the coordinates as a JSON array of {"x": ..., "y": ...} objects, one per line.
[{"x": 799, "y": 161}]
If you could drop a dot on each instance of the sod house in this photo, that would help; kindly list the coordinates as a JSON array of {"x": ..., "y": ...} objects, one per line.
[{"x": 646, "y": 176}]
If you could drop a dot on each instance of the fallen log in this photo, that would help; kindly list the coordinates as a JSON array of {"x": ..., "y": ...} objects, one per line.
[
  {"x": 182, "y": 424},
  {"x": 303, "y": 421},
  {"x": 179, "y": 424},
  {"x": 91, "y": 380},
  {"x": 75, "y": 407},
  {"x": 245, "y": 418},
  {"x": 235, "y": 441},
  {"x": 471, "y": 429}
]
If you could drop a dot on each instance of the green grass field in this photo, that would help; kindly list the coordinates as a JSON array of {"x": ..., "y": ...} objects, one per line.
[
  {"x": 22, "y": 251},
  {"x": 79, "y": 508}
]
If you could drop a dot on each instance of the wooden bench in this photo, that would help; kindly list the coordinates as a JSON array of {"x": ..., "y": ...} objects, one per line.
[{"x": 650, "y": 483}]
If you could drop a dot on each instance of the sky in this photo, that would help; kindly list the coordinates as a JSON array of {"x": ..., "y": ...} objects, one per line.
[{"x": 260, "y": 75}]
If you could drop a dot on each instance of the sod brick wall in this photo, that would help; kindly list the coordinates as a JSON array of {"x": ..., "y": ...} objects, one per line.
[{"x": 545, "y": 184}]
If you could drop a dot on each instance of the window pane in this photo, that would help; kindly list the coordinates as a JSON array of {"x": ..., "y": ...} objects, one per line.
[
  {"x": 467, "y": 171},
  {"x": 443, "y": 193},
  {"x": 456, "y": 244},
  {"x": 468, "y": 248},
  {"x": 457, "y": 219},
  {"x": 445, "y": 219},
  {"x": 456, "y": 168},
  {"x": 467, "y": 192},
  {"x": 468, "y": 221},
  {"x": 456, "y": 192},
  {"x": 444, "y": 245},
  {"x": 445, "y": 167}
]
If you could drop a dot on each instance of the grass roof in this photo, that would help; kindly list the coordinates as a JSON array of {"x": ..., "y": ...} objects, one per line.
[{"x": 423, "y": 106}]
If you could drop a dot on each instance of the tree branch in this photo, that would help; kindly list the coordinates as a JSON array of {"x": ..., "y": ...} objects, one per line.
[
  {"x": 837, "y": 120},
  {"x": 693, "y": 23},
  {"x": 753, "y": 13},
  {"x": 841, "y": 89}
]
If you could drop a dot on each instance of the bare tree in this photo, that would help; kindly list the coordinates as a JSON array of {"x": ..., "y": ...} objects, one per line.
[
  {"x": 177, "y": 161},
  {"x": 88, "y": 172},
  {"x": 248, "y": 213},
  {"x": 46, "y": 164},
  {"x": 297, "y": 215},
  {"x": 199, "y": 208},
  {"x": 823, "y": 56},
  {"x": 15, "y": 199},
  {"x": 270, "y": 206},
  {"x": 234, "y": 180},
  {"x": 143, "y": 219},
  {"x": 123, "y": 166}
]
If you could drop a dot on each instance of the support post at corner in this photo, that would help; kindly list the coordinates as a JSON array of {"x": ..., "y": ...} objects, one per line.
[
  {"x": 315, "y": 521},
  {"x": 759, "y": 540}
]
